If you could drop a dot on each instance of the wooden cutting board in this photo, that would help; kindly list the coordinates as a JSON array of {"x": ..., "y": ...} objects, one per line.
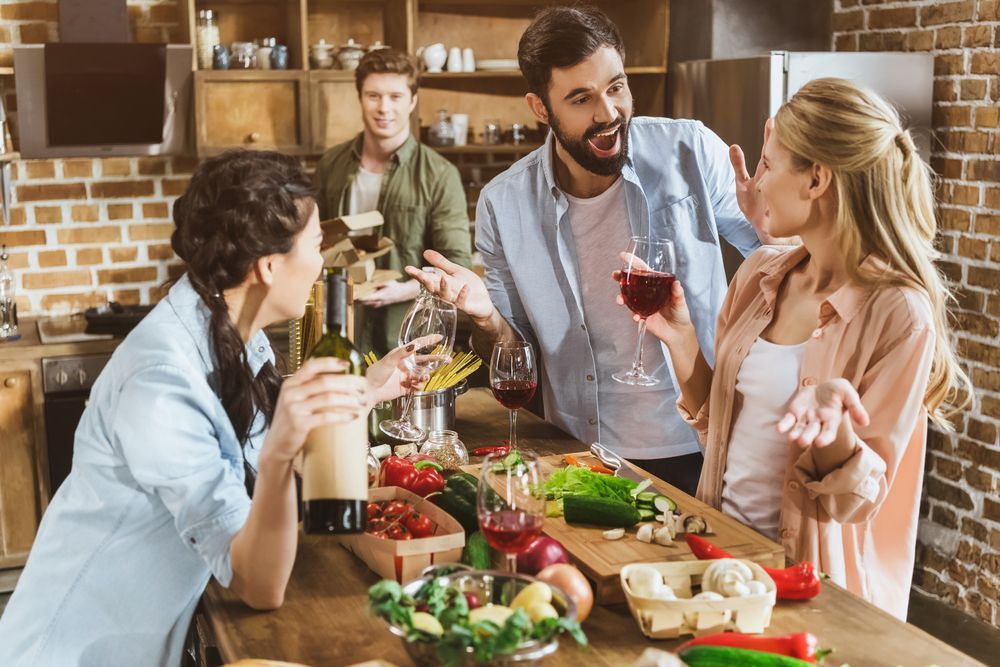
[{"x": 601, "y": 559}]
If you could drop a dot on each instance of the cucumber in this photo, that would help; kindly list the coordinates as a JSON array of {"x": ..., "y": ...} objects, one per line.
[
  {"x": 599, "y": 511},
  {"x": 645, "y": 514},
  {"x": 477, "y": 552},
  {"x": 646, "y": 499},
  {"x": 459, "y": 500},
  {"x": 725, "y": 656},
  {"x": 663, "y": 504}
]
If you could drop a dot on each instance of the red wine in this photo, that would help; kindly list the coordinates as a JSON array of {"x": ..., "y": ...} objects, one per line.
[
  {"x": 514, "y": 394},
  {"x": 646, "y": 292},
  {"x": 510, "y": 531}
]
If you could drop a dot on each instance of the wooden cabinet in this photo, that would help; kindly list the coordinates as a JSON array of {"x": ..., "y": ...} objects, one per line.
[
  {"x": 333, "y": 108},
  {"x": 23, "y": 480},
  {"x": 250, "y": 109}
]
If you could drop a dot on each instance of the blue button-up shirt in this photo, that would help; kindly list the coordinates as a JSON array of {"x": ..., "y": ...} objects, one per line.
[
  {"x": 147, "y": 514},
  {"x": 679, "y": 185}
]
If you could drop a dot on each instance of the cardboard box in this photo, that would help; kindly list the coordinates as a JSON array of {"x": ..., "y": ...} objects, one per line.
[
  {"x": 403, "y": 560},
  {"x": 354, "y": 242}
]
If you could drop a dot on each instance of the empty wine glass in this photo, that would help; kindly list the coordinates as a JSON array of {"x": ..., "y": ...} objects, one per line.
[
  {"x": 428, "y": 316},
  {"x": 646, "y": 281},
  {"x": 513, "y": 378},
  {"x": 510, "y": 504}
]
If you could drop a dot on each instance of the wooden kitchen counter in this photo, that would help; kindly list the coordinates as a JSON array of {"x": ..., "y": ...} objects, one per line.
[
  {"x": 324, "y": 621},
  {"x": 29, "y": 346}
]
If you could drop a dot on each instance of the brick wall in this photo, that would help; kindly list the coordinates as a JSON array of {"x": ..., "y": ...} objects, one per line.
[
  {"x": 84, "y": 231},
  {"x": 959, "y": 540}
]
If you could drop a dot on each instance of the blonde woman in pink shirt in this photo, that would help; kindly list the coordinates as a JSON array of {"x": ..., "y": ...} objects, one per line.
[{"x": 830, "y": 355}]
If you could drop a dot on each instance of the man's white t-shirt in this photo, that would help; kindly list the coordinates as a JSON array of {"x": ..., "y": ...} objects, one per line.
[
  {"x": 634, "y": 420},
  {"x": 364, "y": 192}
]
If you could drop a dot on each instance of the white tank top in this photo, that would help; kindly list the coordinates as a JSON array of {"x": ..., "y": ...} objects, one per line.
[{"x": 755, "y": 465}]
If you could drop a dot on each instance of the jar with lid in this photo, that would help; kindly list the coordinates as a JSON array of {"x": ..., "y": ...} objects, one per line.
[
  {"x": 441, "y": 132},
  {"x": 264, "y": 48},
  {"x": 446, "y": 449},
  {"x": 208, "y": 37}
]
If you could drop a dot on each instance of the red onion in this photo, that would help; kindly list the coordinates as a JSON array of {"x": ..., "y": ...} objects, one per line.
[{"x": 541, "y": 553}]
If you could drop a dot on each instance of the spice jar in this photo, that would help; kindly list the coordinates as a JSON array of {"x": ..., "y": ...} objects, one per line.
[
  {"x": 207, "y": 36},
  {"x": 446, "y": 449},
  {"x": 441, "y": 132},
  {"x": 244, "y": 55}
]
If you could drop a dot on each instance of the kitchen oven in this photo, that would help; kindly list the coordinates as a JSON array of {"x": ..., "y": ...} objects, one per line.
[{"x": 66, "y": 383}]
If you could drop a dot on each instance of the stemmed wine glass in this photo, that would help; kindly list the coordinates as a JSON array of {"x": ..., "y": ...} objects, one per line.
[
  {"x": 513, "y": 378},
  {"x": 646, "y": 280},
  {"x": 428, "y": 316},
  {"x": 512, "y": 518}
]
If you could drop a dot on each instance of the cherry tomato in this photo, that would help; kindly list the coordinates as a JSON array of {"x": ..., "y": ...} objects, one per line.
[
  {"x": 472, "y": 600},
  {"x": 398, "y": 531},
  {"x": 374, "y": 511},
  {"x": 419, "y": 525},
  {"x": 396, "y": 508},
  {"x": 376, "y": 526}
]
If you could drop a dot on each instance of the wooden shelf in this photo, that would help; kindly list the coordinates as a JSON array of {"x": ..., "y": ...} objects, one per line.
[
  {"x": 480, "y": 149},
  {"x": 6, "y": 71},
  {"x": 12, "y": 156},
  {"x": 516, "y": 73}
]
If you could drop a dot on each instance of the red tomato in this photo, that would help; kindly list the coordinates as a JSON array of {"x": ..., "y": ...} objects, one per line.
[
  {"x": 398, "y": 531},
  {"x": 419, "y": 524},
  {"x": 396, "y": 508},
  {"x": 374, "y": 511},
  {"x": 376, "y": 526}
]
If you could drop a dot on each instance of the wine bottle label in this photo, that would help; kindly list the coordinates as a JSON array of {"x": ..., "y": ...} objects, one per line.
[{"x": 335, "y": 465}]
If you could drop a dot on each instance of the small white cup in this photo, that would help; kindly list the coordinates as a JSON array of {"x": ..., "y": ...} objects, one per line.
[
  {"x": 460, "y": 122},
  {"x": 468, "y": 60},
  {"x": 454, "y": 60}
]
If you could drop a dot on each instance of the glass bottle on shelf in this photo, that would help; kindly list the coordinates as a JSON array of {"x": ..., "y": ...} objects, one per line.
[
  {"x": 208, "y": 36},
  {"x": 441, "y": 132},
  {"x": 448, "y": 451},
  {"x": 8, "y": 302}
]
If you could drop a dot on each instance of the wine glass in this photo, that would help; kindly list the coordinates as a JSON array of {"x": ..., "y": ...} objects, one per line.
[
  {"x": 646, "y": 281},
  {"x": 513, "y": 378},
  {"x": 428, "y": 316},
  {"x": 510, "y": 504}
]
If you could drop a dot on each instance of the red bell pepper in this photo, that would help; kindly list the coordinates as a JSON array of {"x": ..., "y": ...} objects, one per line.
[
  {"x": 422, "y": 477},
  {"x": 798, "y": 582},
  {"x": 801, "y": 645}
]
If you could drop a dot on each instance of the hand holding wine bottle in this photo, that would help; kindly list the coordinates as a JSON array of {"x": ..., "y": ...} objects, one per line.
[{"x": 318, "y": 394}]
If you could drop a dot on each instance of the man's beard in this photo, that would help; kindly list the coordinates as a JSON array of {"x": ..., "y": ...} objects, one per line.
[{"x": 581, "y": 152}]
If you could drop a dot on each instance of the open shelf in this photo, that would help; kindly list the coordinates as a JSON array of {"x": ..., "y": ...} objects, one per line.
[
  {"x": 6, "y": 71},
  {"x": 480, "y": 149},
  {"x": 516, "y": 73},
  {"x": 11, "y": 156}
]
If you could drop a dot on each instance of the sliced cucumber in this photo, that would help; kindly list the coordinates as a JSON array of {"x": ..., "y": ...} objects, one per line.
[
  {"x": 645, "y": 514},
  {"x": 664, "y": 504}
]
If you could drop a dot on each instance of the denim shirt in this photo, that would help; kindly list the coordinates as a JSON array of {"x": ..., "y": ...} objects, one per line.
[
  {"x": 147, "y": 514},
  {"x": 680, "y": 186}
]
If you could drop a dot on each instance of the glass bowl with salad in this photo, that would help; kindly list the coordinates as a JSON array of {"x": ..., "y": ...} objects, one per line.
[{"x": 465, "y": 618}]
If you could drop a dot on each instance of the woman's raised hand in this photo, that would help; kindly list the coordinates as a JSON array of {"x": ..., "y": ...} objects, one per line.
[
  {"x": 316, "y": 395},
  {"x": 392, "y": 376},
  {"x": 815, "y": 414}
]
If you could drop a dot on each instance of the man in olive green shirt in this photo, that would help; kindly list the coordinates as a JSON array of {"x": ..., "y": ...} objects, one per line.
[{"x": 418, "y": 192}]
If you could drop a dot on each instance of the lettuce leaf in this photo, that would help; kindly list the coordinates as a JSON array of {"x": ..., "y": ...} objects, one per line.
[{"x": 579, "y": 481}]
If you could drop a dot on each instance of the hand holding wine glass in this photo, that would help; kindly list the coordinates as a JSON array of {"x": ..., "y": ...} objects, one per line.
[
  {"x": 513, "y": 378},
  {"x": 670, "y": 323},
  {"x": 646, "y": 281},
  {"x": 429, "y": 327},
  {"x": 512, "y": 518}
]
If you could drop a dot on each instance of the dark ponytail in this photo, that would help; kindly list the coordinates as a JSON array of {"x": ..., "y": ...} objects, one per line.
[{"x": 239, "y": 206}]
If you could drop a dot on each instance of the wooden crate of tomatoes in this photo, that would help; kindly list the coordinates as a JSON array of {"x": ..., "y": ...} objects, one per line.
[{"x": 405, "y": 534}]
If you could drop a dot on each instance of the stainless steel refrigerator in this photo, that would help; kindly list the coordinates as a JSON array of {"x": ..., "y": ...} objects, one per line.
[{"x": 735, "y": 96}]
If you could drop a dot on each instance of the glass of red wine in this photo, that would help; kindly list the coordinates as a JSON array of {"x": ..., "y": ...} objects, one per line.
[
  {"x": 646, "y": 281},
  {"x": 510, "y": 504},
  {"x": 513, "y": 378}
]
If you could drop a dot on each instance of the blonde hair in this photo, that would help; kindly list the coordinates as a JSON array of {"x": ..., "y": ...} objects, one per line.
[{"x": 885, "y": 206}]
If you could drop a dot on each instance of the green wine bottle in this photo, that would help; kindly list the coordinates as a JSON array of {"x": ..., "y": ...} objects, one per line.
[{"x": 335, "y": 465}]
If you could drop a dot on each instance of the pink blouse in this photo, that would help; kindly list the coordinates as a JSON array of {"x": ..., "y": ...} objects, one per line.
[{"x": 858, "y": 523}]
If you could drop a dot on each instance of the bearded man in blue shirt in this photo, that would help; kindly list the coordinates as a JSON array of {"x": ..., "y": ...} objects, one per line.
[{"x": 551, "y": 230}]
